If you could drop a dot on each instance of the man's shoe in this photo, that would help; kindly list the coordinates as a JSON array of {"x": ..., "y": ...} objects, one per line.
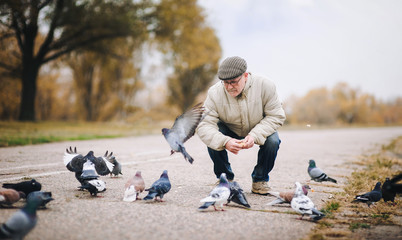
[
  {"x": 260, "y": 188},
  {"x": 217, "y": 182}
]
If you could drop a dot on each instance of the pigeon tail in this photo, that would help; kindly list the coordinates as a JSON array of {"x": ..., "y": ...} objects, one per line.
[
  {"x": 206, "y": 205},
  {"x": 276, "y": 201},
  {"x": 332, "y": 180},
  {"x": 185, "y": 154},
  {"x": 317, "y": 215}
]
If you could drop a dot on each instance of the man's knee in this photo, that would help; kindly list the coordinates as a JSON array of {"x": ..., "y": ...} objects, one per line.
[{"x": 272, "y": 141}]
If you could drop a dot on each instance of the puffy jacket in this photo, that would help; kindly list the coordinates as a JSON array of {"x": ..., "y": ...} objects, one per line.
[{"x": 257, "y": 111}]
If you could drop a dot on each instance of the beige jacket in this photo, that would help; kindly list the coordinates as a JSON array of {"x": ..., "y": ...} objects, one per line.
[{"x": 257, "y": 111}]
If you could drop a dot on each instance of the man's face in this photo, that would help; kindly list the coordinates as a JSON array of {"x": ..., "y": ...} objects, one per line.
[{"x": 235, "y": 86}]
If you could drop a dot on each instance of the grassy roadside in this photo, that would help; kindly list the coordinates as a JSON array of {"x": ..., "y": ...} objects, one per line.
[
  {"x": 23, "y": 133},
  {"x": 346, "y": 220}
]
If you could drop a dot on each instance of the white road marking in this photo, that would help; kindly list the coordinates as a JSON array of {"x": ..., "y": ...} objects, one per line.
[{"x": 65, "y": 171}]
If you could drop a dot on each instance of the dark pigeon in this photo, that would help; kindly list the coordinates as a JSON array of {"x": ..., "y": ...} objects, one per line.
[
  {"x": 94, "y": 186},
  {"x": 317, "y": 174},
  {"x": 10, "y": 196},
  {"x": 237, "y": 195},
  {"x": 370, "y": 197},
  {"x": 45, "y": 196},
  {"x": 159, "y": 188},
  {"x": 22, "y": 221},
  {"x": 390, "y": 188},
  {"x": 26, "y": 186},
  {"x": 218, "y": 196},
  {"x": 183, "y": 129},
  {"x": 86, "y": 167}
]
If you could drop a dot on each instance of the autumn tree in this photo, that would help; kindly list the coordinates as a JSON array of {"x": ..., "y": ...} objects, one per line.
[
  {"x": 191, "y": 47},
  {"x": 66, "y": 26}
]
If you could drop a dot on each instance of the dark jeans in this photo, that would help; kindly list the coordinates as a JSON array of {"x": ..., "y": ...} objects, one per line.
[{"x": 266, "y": 157}]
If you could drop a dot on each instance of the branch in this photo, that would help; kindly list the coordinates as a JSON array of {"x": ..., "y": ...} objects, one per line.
[
  {"x": 44, "y": 48},
  {"x": 40, "y": 6}
]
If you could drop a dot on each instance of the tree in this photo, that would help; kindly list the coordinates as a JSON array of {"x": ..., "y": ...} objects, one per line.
[
  {"x": 66, "y": 26},
  {"x": 191, "y": 47}
]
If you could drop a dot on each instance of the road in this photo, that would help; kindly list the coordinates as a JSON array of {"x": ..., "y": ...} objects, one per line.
[{"x": 76, "y": 215}]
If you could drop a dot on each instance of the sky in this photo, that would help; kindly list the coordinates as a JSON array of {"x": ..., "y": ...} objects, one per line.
[{"x": 308, "y": 44}]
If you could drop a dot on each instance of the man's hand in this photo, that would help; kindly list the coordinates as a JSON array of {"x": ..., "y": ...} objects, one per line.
[
  {"x": 234, "y": 145},
  {"x": 248, "y": 142}
]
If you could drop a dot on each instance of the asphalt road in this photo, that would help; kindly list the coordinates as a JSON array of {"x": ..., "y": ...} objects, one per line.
[{"x": 76, "y": 215}]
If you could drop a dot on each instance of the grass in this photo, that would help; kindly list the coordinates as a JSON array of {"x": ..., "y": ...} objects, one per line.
[
  {"x": 344, "y": 217},
  {"x": 24, "y": 133}
]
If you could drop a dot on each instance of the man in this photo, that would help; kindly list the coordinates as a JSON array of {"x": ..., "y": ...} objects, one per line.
[{"x": 243, "y": 110}]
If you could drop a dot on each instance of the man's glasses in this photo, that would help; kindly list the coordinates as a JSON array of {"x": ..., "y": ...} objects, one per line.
[{"x": 233, "y": 83}]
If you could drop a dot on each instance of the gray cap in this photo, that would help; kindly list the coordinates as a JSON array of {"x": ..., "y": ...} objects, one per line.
[{"x": 231, "y": 68}]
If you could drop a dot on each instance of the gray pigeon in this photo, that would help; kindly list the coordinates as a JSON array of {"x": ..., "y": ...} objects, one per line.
[
  {"x": 317, "y": 174},
  {"x": 370, "y": 197},
  {"x": 218, "y": 196},
  {"x": 237, "y": 195},
  {"x": 159, "y": 188},
  {"x": 303, "y": 204},
  {"x": 22, "y": 221},
  {"x": 183, "y": 129},
  {"x": 45, "y": 196}
]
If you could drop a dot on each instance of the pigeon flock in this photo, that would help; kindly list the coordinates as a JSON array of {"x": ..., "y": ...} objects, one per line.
[{"x": 88, "y": 168}]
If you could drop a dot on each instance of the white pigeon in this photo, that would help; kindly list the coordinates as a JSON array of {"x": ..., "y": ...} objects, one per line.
[
  {"x": 303, "y": 204},
  {"x": 134, "y": 187},
  {"x": 218, "y": 196}
]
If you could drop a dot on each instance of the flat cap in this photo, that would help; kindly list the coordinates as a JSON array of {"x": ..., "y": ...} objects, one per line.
[{"x": 231, "y": 68}]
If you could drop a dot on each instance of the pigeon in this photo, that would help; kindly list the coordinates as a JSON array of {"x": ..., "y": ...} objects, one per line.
[
  {"x": 218, "y": 196},
  {"x": 237, "y": 195},
  {"x": 87, "y": 167},
  {"x": 10, "y": 196},
  {"x": 286, "y": 197},
  {"x": 94, "y": 186},
  {"x": 390, "y": 188},
  {"x": 159, "y": 188},
  {"x": 116, "y": 165},
  {"x": 22, "y": 221},
  {"x": 26, "y": 186},
  {"x": 370, "y": 197},
  {"x": 317, "y": 174},
  {"x": 183, "y": 129},
  {"x": 303, "y": 204},
  {"x": 134, "y": 187},
  {"x": 45, "y": 196}
]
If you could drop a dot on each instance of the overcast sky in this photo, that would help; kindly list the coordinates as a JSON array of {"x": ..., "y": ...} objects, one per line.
[{"x": 306, "y": 44}]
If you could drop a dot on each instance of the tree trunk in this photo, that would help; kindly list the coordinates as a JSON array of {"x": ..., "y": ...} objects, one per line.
[{"x": 29, "y": 79}]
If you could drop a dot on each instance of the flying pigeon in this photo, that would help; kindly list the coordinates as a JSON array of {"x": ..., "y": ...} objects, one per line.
[
  {"x": 10, "y": 196},
  {"x": 94, "y": 186},
  {"x": 218, "y": 196},
  {"x": 370, "y": 197},
  {"x": 116, "y": 165},
  {"x": 45, "y": 196},
  {"x": 22, "y": 221},
  {"x": 26, "y": 186},
  {"x": 183, "y": 129},
  {"x": 303, "y": 204},
  {"x": 237, "y": 195},
  {"x": 159, "y": 188},
  {"x": 286, "y": 197},
  {"x": 317, "y": 174},
  {"x": 134, "y": 187},
  {"x": 390, "y": 188}
]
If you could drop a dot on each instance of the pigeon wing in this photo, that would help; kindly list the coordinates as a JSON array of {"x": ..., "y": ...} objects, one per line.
[
  {"x": 185, "y": 124},
  {"x": 102, "y": 165}
]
